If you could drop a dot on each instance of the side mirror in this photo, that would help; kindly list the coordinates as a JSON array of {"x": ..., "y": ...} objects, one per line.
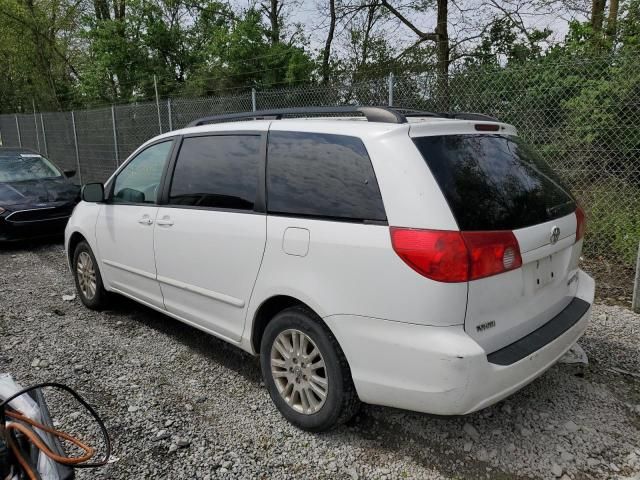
[
  {"x": 69, "y": 173},
  {"x": 92, "y": 192}
]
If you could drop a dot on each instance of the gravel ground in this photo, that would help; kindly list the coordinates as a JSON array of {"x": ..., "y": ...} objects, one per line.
[{"x": 180, "y": 404}]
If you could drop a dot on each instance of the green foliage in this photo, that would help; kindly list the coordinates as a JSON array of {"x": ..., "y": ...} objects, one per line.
[
  {"x": 613, "y": 227},
  {"x": 66, "y": 54},
  {"x": 239, "y": 53}
]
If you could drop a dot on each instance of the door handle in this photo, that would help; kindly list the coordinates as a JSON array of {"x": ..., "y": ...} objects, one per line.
[
  {"x": 145, "y": 221},
  {"x": 164, "y": 222}
]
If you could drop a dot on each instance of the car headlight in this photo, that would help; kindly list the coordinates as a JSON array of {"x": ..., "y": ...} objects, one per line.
[{"x": 2, "y": 210}]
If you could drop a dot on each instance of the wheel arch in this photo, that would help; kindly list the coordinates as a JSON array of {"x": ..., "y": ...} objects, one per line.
[
  {"x": 74, "y": 240},
  {"x": 268, "y": 309}
]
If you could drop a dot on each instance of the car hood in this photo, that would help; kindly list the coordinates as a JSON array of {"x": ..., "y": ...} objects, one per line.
[{"x": 38, "y": 192}]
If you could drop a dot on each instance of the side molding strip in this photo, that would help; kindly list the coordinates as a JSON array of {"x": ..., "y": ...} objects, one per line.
[{"x": 236, "y": 302}]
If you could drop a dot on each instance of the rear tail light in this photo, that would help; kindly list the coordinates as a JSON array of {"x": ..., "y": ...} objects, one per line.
[
  {"x": 580, "y": 223},
  {"x": 491, "y": 253},
  {"x": 451, "y": 256},
  {"x": 437, "y": 254}
]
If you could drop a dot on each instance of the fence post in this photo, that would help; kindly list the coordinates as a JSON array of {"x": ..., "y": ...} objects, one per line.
[
  {"x": 635, "y": 303},
  {"x": 75, "y": 142},
  {"x": 115, "y": 135},
  {"x": 18, "y": 129},
  {"x": 44, "y": 137},
  {"x": 390, "y": 86},
  {"x": 155, "y": 86},
  {"x": 35, "y": 123},
  {"x": 253, "y": 99},
  {"x": 169, "y": 114}
]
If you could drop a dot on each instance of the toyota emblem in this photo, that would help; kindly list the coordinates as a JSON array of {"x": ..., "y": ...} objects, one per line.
[{"x": 555, "y": 234}]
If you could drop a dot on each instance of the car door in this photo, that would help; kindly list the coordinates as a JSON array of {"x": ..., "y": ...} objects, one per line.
[
  {"x": 124, "y": 229},
  {"x": 211, "y": 230}
]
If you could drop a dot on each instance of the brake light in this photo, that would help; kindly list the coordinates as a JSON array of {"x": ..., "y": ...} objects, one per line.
[
  {"x": 486, "y": 127},
  {"x": 492, "y": 253},
  {"x": 451, "y": 256},
  {"x": 580, "y": 223},
  {"x": 437, "y": 254}
]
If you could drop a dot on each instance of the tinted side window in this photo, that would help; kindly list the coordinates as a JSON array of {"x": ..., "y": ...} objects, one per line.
[
  {"x": 138, "y": 182},
  {"x": 314, "y": 174},
  {"x": 217, "y": 171}
]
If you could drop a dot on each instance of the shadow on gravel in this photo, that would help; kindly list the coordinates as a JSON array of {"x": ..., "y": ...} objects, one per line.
[
  {"x": 375, "y": 428},
  {"x": 381, "y": 425},
  {"x": 22, "y": 246},
  {"x": 208, "y": 346}
]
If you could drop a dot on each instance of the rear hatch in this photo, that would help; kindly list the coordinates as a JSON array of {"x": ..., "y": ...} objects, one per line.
[{"x": 492, "y": 183}]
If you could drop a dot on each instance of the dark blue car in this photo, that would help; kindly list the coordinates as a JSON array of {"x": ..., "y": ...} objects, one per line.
[{"x": 36, "y": 197}]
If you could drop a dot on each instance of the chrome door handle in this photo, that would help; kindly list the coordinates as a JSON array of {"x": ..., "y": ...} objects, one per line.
[
  {"x": 145, "y": 221},
  {"x": 165, "y": 222}
]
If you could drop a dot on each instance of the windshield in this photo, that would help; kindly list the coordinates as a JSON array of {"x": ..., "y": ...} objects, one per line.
[
  {"x": 18, "y": 167},
  {"x": 494, "y": 182}
]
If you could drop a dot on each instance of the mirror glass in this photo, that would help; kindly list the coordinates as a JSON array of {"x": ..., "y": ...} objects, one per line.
[{"x": 93, "y": 192}]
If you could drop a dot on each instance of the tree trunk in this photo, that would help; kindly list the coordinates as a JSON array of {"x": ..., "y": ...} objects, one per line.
[
  {"x": 597, "y": 15},
  {"x": 326, "y": 54},
  {"x": 442, "y": 55},
  {"x": 102, "y": 9},
  {"x": 274, "y": 20},
  {"x": 612, "y": 19}
]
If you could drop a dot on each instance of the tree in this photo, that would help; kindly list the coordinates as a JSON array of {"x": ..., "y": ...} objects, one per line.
[
  {"x": 440, "y": 36},
  {"x": 326, "y": 53},
  {"x": 38, "y": 60},
  {"x": 273, "y": 10},
  {"x": 597, "y": 15},
  {"x": 612, "y": 19}
]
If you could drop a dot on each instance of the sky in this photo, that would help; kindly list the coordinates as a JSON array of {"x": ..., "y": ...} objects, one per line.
[{"x": 466, "y": 18}]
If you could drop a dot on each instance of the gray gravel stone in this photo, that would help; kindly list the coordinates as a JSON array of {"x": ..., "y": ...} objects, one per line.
[
  {"x": 129, "y": 355},
  {"x": 471, "y": 431}
]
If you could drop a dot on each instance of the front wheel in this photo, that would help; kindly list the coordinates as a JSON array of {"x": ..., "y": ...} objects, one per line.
[
  {"x": 87, "y": 277},
  {"x": 306, "y": 372}
]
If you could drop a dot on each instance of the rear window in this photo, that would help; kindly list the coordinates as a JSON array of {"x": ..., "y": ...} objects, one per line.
[{"x": 494, "y": 182}]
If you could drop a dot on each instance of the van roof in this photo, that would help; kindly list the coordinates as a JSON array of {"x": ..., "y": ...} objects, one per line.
[{"x": 354, "y": 121}]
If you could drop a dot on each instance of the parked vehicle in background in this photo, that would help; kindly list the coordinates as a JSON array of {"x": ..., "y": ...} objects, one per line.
[
  {"x": 36, "y": 196},
  {"x": 420, "y": 261}
]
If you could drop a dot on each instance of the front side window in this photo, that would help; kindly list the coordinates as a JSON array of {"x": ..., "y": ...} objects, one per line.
[
  {"x": 139, "y": 181},
  {"x": 20, "y": 167},
  {"x": 321, "y": 175},
  {"x": 218, "y": 171}
]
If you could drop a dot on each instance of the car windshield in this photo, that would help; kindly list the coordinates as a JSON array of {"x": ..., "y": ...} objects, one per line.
[{"x": 19, "y": 167}]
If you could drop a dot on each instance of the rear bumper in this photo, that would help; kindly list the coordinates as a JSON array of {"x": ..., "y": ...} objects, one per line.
[{"x": 442, "y": 370}]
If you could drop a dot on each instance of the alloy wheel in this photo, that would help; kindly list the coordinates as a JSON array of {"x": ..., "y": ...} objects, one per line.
[
  {"x": 299, "y": 372},
  {"x": 86, "y": 273}
]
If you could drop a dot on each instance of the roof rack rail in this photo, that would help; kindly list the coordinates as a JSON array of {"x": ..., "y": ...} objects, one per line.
[{"x": 372, "y": 114}]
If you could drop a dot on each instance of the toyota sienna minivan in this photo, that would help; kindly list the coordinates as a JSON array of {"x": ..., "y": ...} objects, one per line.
[{"x": 422, "y": 261}]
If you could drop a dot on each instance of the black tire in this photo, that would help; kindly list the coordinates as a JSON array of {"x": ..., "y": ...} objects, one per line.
[
  {"x": 341, "y": 402},
  {"x": 99, "y": 300}
]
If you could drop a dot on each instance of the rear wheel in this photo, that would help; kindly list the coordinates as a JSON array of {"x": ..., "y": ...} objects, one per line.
[
  {"x": 306, "y": 372},
  {"x": 87, "y": 277}
]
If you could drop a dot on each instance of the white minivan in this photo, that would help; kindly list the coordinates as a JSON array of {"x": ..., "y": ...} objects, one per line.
[{"x": 422, "y": 261}]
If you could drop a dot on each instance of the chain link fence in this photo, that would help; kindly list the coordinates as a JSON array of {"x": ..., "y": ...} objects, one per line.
[{"x": 583, "y": 116}]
